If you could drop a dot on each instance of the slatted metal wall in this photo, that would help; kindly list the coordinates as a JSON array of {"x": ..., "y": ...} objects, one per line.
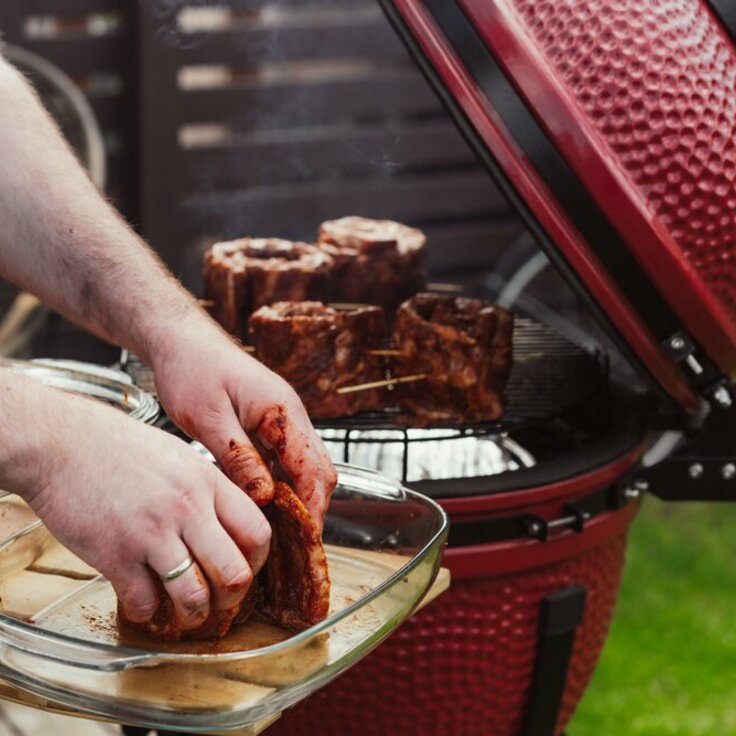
[
  {"x": 95, "y": 43},
  {"x": 265, "y": 117}
]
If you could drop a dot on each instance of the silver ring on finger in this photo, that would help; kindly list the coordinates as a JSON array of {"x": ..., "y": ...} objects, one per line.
[{"x": 178, "y": 571}]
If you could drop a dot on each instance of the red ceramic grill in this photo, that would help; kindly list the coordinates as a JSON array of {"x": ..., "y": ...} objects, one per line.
[{"x": 611, "y": 125}]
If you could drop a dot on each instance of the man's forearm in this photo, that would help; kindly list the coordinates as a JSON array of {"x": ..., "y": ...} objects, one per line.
[
  {"x": 33, "y": 423},
  {"x": 62, "y": 241}
]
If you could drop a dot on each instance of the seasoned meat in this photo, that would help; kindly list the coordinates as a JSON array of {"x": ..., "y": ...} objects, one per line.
[
  {"x": 464, "y": 348},
  {"x": 295, "y": 581},
  {"x": 317, "y": 349},
  {"x": 376, "y": 261},
  {"x": 242, "y": 275},
  {"x": 293, "y": 587}
]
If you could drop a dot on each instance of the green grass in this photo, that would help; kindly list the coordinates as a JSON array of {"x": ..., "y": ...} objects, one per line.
[{"x": 669, "y": 667}]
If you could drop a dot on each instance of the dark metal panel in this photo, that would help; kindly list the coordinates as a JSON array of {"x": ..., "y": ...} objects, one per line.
[
  {"x": 293, "y": 210},
  {"x": 81, "y": 54},
  {"x": 251, "y": 45},
  {"x": 71, "y": 7},
  {"x": 327, "y": 153},
  {"x": 273, "y": 148},
  {"x": 470, "y": 245},
  {"x": 382, "y": 94}
]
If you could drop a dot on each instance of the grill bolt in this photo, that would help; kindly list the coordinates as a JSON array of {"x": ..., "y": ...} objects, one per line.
[
  {"x": 635, "y": 490},
  {"x": 533, "y": 528},
  {"x": 677, "y": 344},
  {"x": 728, "y": 471},
  {"x": 722, "y": 397},
  {"x": 696, "y": 471}
]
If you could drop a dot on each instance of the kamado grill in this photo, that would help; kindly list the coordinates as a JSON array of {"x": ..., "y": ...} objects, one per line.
[{"x": 611, "y": 127}]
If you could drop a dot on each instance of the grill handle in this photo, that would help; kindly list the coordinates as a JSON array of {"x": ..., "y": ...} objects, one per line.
[{"x": 23, "y": 638}]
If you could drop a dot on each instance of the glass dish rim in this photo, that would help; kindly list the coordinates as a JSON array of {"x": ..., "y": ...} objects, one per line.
[
  {"x": 149, "y": 658},
  {"x": 147, "y": 409}
]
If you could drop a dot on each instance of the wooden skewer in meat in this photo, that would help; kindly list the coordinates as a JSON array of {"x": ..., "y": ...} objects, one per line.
[
  {"x": 380, "y": 353},
  {"x": 380, "y": 384}
]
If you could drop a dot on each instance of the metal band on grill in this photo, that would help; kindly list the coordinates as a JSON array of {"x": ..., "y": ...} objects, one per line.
[{"x": 515, "y": 527}]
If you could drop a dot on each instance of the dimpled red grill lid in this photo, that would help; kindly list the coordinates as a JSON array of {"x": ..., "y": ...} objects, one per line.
[{"x": 611, "y": 124}]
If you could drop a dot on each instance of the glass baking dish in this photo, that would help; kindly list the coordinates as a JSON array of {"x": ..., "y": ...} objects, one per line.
[
  {"x": 86, "y": 379},
  {"x": 59, "y": 636}
]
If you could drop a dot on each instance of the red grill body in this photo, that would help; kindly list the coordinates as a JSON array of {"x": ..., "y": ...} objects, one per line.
[
  {"x": 611, "y": 125},
  {"x": 467, "y": 663}
]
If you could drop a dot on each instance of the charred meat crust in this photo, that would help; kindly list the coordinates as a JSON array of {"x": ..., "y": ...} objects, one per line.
[
  {"x": 375, "y": 261},
  {"x": 295, "y": 581},
  {"x": 242, "y": 275},
  {"x": 464, "y": 346},
  {"x": 318, "y": 349}
]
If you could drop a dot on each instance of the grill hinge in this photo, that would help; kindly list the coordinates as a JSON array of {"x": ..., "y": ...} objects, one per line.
[
  {"x": 706, "y": 378},
  {"x": 705, "y": 468}
]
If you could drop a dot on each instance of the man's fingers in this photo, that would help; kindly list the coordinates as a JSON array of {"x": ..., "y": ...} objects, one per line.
[
  {"x": 246, "y": 468},
  {"x": 137, "y": 594},
  {"x": 244, "y": 522},
  {"x": 189, "y": 592},
  {"x": 225, "y": 566},
  {"x": 226, "y": 439},
  {"x": 297, "y": 453}
]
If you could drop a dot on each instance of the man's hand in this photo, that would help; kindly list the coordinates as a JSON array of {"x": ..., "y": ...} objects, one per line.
[
  {"x": 124, "y": 497},
  {"x": 224, "y": 398},
  {"x": 132, "y": 501}
]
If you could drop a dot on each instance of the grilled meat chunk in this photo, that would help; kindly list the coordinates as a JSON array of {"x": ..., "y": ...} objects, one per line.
[
  {"x": 317, "y": 349},
  {"x": 242, "y": 275},
  {"x": 464, "y": 348},
  {"x": 295, "y": 581},
  {"x": 376, "y": 261}
]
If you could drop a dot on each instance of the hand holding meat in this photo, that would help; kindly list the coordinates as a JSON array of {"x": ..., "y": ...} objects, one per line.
[
  {"x": 128, "y": 499},
  {"x": 231, "y": 402},
  {"x": 133, "y": 502}
]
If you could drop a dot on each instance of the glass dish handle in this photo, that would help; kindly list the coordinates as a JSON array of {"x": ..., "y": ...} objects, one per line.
[{"x": 23, "y": 638}]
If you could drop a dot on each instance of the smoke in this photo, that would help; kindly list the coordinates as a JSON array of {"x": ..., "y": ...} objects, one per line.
[{"x": 172, "y": 29}]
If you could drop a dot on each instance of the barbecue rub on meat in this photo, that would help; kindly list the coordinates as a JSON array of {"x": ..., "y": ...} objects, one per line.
[
  {"x": 295, "y": 582},
  {"x": 317, "y": 349},
  {"x": 376, "y": 261},
  {"x": 242, "y": 275},
  {"x": 463, "y": 346},
  {"x": 292, "y": 588}
]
